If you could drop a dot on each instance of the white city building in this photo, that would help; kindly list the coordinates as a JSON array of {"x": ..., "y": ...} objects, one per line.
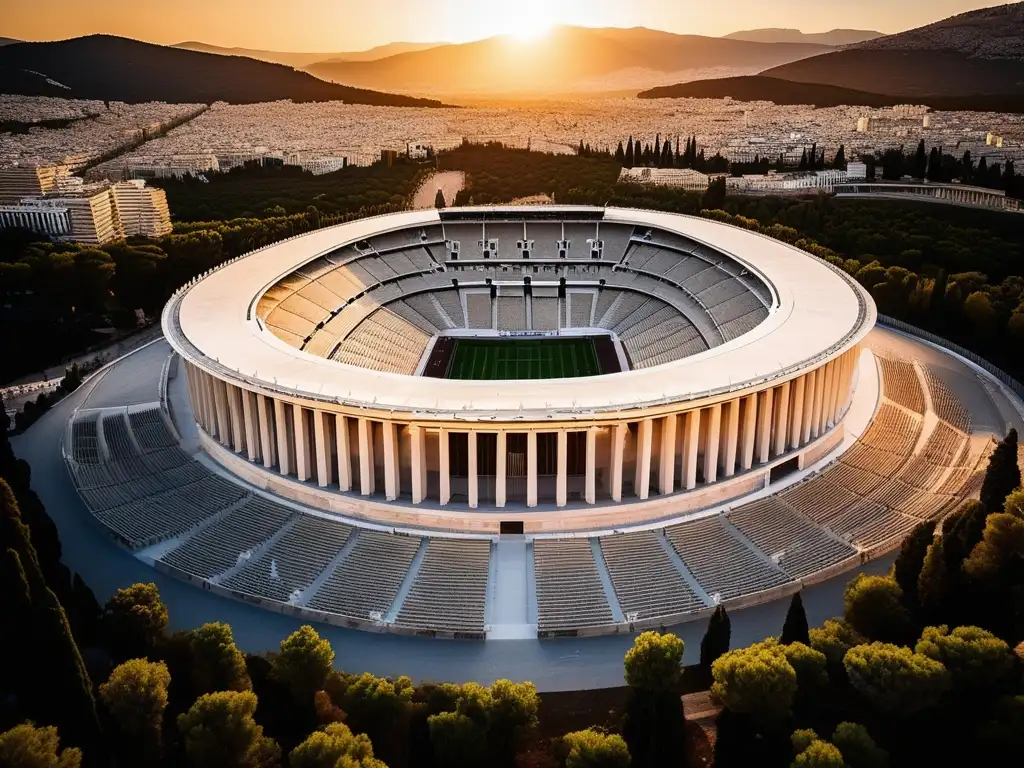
[{"x": 142, "y": 210}]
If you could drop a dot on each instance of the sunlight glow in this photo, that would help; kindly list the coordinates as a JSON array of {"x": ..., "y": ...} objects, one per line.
[{"x": 525, "y": 20}]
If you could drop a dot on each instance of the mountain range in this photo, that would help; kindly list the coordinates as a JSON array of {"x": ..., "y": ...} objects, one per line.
[
  {"x": 835, "y": 37},
  {"x": 974, "y": 60},
  {"x": 301, "y": 59},
  {"x": 568, "y": 59},
  {"x": 120, "y": 69}
]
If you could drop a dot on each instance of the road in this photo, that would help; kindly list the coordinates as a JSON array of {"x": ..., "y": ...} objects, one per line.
[{"x": 449, "y": 182}]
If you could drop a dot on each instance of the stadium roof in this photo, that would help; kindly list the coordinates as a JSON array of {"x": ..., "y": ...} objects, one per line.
[{"x": 821, "y": 312}]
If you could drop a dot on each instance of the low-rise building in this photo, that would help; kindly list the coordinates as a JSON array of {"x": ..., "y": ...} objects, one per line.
[
  {"x": 681, "y": 178},
  {"x": 50, "y": 217},
  {"x": 142, "y": 210},
  {"x": 20, "y": 181}
]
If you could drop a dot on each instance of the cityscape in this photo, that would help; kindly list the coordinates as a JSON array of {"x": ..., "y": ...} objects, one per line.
[{"x": 562, "y": 385}]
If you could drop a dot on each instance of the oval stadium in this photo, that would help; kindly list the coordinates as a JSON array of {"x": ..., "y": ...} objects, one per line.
[{"x": 526, "y": 422}]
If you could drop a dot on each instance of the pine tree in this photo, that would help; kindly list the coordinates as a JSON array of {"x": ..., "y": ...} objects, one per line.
[
  {"x": 716, "y": 639},
  {"x": 795, "y": 629},
  {"x": 1002, "y": 475}
]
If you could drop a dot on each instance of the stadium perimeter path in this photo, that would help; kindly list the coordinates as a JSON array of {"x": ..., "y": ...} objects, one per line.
[{"x": 555, "y": 665}]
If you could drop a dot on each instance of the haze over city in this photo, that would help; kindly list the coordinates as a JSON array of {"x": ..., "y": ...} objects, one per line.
[{"x": 324, "y": 25}]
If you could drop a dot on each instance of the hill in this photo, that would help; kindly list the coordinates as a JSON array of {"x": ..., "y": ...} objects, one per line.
[
  {"x": 117, "y": 68},
  {"x": 787, "y": 92},
  {"x": 988, "y": 33},
  {"x": 8, "y": 40},
  {"x": 567, "y": 59},
  {"x": 976, "y": 53},
  {"x": 777, "y": 35},
  {"x": 303, "y": 59}
]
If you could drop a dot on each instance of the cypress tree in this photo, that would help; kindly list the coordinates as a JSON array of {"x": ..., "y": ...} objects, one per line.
[
  {"x": 628, "y": 156},
  {"x": 49, "y": 648},
  {"x": 620, "y": 154},
  {"x": 439, "y": 199},
  {"x": 920, "y": 162},
  {"x": 814, "y": 156},
  {"x": 907, "y": 568},
  {"x": 657, "y": 147},
  {"x": 840, "y": 162},
  {"x": 795, "y": 629},
  {"x": 1002, "y": 475},
  {"x": 803, "y": 161},
  {"x": 716, "y": 639}
]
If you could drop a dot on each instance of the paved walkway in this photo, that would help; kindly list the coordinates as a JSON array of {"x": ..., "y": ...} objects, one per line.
[{"x": 555, "y": 665}]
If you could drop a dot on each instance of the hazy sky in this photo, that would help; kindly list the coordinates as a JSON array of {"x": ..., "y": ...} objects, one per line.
[{"x": 339, "y": 25}]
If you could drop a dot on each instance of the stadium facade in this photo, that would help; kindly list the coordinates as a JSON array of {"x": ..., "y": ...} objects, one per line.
[{"x": 321, "y": 368}]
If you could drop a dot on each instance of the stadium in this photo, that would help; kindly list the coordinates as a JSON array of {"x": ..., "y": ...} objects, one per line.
[{"x": 521, "y": 422}]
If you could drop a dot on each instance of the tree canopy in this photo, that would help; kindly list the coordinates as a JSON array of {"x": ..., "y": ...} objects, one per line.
[
  {"x": 873, "y": 606},
  {"x": 135, "y": 620},
  {"x": 976, "y": 659},
  {"x": 895, "y": 679},
  {"x": 25, "y": 746},
  {"x": 334, "y": 746},
  {"x": 757, "y": 680},
  {"x": 304, "y": 661},
  {"x": 219, "y": 731},
  {"x": 654, "y": 663},
  {"x": 594, "y": 749}
]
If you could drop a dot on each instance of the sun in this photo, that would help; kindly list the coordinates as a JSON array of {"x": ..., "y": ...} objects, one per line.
[{"x": 529, "y": 19}]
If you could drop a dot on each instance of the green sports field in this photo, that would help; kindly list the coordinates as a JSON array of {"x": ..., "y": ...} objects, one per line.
[{"x": 523, "y": 359}]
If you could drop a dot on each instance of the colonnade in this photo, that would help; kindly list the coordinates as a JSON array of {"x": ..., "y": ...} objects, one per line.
[{"x": 608, "y": 459}]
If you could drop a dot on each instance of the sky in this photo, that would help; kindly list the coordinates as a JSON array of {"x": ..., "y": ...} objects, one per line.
[{"x": 349, "y": 25}]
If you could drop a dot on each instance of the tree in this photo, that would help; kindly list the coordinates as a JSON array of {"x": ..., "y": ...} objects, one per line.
[
  {"x": 920, "y": 167},
  {"x": 795, "y": 630},
  {"x": 979, "y": 311},
  {"x": 219, "y": 732},
  {"x": 135, "y": 621},
  {"x": 1002, "y": 475},
  {"x": 457, "y": 740},
  {"x": 873, "y": 606},
  {"x": 1002, "y": 544},
  {"x": 512, "y": 716},
  {"x": 933, "y": 585},
  {"x": 217, "y": 664},
  {"x": 25, "y": 746},
  {"x": 594, "y": 749},
  {"x": 654, "y": 663},
  {"x": 135, "y": 695},
  {"x": 620, "y": 154},
  {"x": 834, "y": 638},
  {"x": 714, "y": 197},
  {"x": 894, "y": 679},
  {"x": 839, "y": 163},
  {"x": 716, "y": 639},
  {"x": 858, "y": 748},
  {"x": 910, "y": 560},
  {"x": 439, "y": 201},
  {"x": 819, "y": 754},
  {"x": 303, "y": 663},
  {"x": 757, "y": 680},
  {"x": 334, "y": 746},
  {"x": 809, "y": 666},
  {"x": 44, "y": 638},
  {"x": 976, "y": 659}
]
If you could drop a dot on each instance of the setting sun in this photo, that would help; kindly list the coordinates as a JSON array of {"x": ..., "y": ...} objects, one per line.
[{"x": 527, "y": 19}]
